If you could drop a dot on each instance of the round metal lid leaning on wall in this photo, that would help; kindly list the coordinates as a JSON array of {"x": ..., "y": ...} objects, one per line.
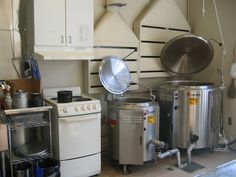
[
  {"x": 186, "y": 54},
  {"x": 114, "y": 75}
]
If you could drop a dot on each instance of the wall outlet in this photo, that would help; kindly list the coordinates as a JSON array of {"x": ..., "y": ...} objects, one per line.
[{"x": 230, "y": 121}]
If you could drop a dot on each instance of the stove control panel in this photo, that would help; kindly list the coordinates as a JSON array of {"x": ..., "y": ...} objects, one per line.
[{"x": 78, "y": 109}]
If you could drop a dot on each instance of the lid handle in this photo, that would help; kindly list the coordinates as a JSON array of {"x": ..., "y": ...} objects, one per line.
[{"x": 153, "y": 97}]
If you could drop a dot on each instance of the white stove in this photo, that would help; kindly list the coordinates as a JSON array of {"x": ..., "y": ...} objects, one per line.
[
  {"x": 81, "y": 104},
  {"x": 76, "y": 132}
]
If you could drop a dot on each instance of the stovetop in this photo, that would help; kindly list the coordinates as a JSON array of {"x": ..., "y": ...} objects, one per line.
[
  {"x": 81, "y": 104},
  {"x": 75, "y": 99}
]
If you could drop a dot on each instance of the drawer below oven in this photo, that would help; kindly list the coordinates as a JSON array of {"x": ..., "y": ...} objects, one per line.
[{"x": 81, "y": 167}]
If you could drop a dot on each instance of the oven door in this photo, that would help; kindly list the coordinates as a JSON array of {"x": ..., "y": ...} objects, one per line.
[{"x": 79, "y": 136}]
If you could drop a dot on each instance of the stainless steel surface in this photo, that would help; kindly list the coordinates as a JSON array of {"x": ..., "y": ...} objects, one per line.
[
  {"x": 20, "y": 99},
  {"x": 188, "y": 84},
  {"x": 186, "y": 54},
  {"x": 34, "y": 148},
  {"x": 132, "y": 101},
  {"x": 22, "y": 136},
  {"x": 114, "y": 75},
  {"x": 133, "y": 123},
  {"x": 189, "y": 109},
  {"x": 27, "y": 110}
]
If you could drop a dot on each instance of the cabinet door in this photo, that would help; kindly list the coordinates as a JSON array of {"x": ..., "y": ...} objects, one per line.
[
  {"x": 79, "y": 22},
  {"x": 49, "y": 22},
  {"x": 131, "y": 139}
]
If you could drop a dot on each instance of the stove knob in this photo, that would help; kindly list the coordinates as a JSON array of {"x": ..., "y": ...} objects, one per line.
[
  {"x": 82, "y": 108},
  {"x": 65, "y": 110},
  {"x": 88, "y": 107},
  {"x": 76, "y": 109},
  {"x": 94, "y": 107}
]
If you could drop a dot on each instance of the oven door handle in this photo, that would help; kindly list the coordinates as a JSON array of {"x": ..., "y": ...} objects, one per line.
[{"x": 85, "y": 118}]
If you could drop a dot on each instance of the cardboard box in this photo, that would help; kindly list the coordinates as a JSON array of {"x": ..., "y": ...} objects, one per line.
[
  {"x": 27, "y": 85},
  {"x": 3, "y": 138}
]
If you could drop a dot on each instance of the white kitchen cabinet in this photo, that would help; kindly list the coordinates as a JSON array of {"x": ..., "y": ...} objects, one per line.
[
  {"x": 49, "y": 21},
  {"x": 79, "y": 22},
  {"x": 63, "y": 29}
]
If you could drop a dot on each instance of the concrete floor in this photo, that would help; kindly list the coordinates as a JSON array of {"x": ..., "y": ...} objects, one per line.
[{"x": 210, "y": 160}]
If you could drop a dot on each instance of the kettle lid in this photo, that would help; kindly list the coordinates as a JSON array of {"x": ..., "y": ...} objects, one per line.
[
  {"x": 114, "y": 74},
  {"x": 186, "y": 54}
]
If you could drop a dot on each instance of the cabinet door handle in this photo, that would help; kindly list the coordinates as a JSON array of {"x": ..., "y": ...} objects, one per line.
[
  {"x": 62, "y": 39},
  {"x": 70, "y": 40}
]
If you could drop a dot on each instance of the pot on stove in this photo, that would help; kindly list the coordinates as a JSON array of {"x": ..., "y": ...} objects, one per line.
[{"x": 64, "y": 96}]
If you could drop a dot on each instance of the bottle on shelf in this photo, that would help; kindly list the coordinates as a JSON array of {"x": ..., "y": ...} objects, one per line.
[
  {"x": 8, "y": 99},
  {"x": 2, "y": 96}
]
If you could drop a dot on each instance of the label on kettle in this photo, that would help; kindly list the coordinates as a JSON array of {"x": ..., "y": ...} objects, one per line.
[
  {"x": 193, "y": 101},
  {"x": 151, "y": 119}
]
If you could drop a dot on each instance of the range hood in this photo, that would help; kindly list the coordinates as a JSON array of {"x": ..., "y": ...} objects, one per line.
[
  {"x": 159, "y": 22},
  {"x": 162, "y": 14},
  {"x": 112, "y": 37},
  {"x": 112, "y": 29}
]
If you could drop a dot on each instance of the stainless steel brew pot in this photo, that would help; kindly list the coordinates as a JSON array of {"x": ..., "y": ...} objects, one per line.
[
  {"x": 133, "y": 123},
  {"x": 20, "y": 136},
  {"x": 189, "y": 107}
]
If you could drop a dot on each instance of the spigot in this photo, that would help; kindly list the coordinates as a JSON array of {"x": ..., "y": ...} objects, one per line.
[
  {"x": 193, "y": 138},
  {"x": 157, "y": 143}
]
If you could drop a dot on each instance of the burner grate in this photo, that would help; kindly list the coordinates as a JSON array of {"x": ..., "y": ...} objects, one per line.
[
  {"x": 80, "y": 98},
  {"x": 75, "y": 99}
]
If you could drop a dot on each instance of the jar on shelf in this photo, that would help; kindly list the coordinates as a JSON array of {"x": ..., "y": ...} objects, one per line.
[{"x": 36, "y": 100}]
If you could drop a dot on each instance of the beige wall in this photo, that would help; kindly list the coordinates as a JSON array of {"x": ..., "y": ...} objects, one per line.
[
  {"x": 6, "y": 41},
  {"x": 207, "y": 26}
]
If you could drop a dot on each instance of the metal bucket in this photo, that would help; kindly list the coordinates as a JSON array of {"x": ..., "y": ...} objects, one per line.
[
  {"x": 133, "y": 123},
  {"x": 22, "y": 136},
  {"x": 189, "y": 108}
]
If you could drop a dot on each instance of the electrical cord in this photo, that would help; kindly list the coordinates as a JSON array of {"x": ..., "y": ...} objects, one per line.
[{"x": 223, "y": 142}]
